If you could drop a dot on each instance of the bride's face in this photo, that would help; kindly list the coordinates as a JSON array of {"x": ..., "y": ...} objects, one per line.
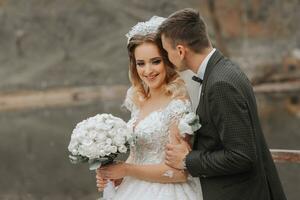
[{"x": 150, "y": 65}]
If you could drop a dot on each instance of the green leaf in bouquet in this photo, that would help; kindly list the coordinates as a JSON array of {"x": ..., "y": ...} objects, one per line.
[
  {"x": 75, "y": 159},
  {"x": 98, "y": 162},
  {"x": 94, "y": 164}
]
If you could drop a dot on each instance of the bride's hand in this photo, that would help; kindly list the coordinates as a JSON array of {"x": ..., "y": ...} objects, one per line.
[
  {"x": 114, "y": 171},
  {"x": 101, "y": 182}
]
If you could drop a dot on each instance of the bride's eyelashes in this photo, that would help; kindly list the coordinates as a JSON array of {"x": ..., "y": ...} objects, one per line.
[
  {"x": 154, "y": 61},
  {"x": 140, "y": 64}
]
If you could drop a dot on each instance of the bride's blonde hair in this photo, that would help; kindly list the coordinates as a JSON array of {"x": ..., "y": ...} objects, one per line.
[{"x": 174, "y": 87}]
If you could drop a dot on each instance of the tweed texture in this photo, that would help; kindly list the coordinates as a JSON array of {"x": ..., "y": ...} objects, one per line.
[{"x": 230, "y": 154}]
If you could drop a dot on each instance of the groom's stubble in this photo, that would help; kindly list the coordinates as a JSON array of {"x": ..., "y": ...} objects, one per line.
[{"x": 183, "y": 66}]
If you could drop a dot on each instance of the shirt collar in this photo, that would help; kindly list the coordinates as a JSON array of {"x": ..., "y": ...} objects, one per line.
[{"x": 203, "y": 65}]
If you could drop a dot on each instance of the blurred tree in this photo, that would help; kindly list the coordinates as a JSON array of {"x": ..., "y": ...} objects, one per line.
[
  {"x": 258, "y": 10},
  {"x": 19, "y": 37},
  {"x": 217, "y": 27}
]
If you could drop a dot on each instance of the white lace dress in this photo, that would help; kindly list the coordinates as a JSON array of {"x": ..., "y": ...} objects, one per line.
[{"x": 152, "y": 134}]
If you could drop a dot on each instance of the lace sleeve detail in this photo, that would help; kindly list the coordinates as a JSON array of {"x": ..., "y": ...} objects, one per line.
[
  {"x": 128, "y": 103},
  {"x": 188, "y": 121}
]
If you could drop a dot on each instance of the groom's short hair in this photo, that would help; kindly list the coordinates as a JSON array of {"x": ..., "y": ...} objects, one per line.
[{"x": 186, "y": 26}]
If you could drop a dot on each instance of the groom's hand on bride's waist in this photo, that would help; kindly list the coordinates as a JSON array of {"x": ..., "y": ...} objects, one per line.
[{"x": 176, "y": 153}]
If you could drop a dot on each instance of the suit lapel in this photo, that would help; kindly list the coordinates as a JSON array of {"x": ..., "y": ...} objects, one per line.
[{"x": 215, "y": 58}]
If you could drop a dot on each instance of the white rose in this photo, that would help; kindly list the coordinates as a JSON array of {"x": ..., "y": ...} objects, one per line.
[
  {"x": 93, "y": 151},
  {"x": 87, "y": 141},
  {"x": 98, "y": 126},
  {"x": 108, "y": 141},
  {"x": 112, "y": 133},
  {"x": 196, "y": 126},
  {"x": 114, "y": 149},
  {"x": 107, "y": 149},
  {"x": 100, "y": 137},
  {"x": 190, "y": 118},
  {"x": 110, "y": 122},
  {"x": 118, "y": 140},
  {"x": 92, "y": 134},
  {"x": 121, "y": 131},
  {"x": 101, "y": 153},
  {"x": 184, "y": 128},
  {"x": 73, "y": 148},
  {"x": 122, "y": 149},
  {"x": 89, "y": 126},
  {"x": 107, "y": 127}
]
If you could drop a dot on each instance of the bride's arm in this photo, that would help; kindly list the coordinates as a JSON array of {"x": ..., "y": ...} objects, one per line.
[{"x": 159, "y": 173}]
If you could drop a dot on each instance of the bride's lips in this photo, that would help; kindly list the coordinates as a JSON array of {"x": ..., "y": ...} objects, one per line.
[{"x": 151, "y": 77}]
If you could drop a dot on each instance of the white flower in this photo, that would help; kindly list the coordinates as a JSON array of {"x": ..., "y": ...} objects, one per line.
[
  {"x": 122, "y": 149},
  {"x": 86, "y": 141},
  {"x": 100, "y": 137},
  {"x": 112, "y": 133},
  {"x": 118, "y": 140},
  {"x": 107, "y": 149},
  {"x": 73, "y": 147},
  {"x": 101, "y": 153},
  {"x": 184, "y": 128},
  {"x": 108, "y": 141},
  {"x": 190, "y": 117},
  {"x": 114, "y": 149},
  {"x": 189, "y": 124}
]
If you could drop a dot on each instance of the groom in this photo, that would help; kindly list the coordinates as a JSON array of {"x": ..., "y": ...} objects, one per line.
[{"x": 229, "y": 153}]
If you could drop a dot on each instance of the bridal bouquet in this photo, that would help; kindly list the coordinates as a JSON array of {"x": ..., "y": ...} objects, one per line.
[{"x": 98, "y": 140}]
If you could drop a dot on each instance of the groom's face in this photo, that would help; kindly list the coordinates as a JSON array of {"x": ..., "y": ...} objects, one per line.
[{"x": 173, "y": 54}]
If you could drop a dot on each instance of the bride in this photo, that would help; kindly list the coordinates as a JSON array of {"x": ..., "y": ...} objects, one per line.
[{"x": 161, "y": 113}]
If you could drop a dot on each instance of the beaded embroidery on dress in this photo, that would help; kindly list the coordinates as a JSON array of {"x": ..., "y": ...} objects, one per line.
[{"x": 152, "y": 134}]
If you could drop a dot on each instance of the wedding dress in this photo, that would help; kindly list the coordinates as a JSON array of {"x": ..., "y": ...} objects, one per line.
[{"x": 152, "y": 134}]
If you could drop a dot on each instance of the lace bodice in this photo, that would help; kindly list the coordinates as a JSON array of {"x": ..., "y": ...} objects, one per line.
[{"x": 152, "y": 132}]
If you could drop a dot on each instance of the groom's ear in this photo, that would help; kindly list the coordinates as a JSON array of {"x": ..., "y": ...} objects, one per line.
[{"x": 181, "y": 51}]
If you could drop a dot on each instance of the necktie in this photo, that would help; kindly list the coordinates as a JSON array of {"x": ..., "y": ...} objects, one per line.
[{"x": 197, "y": 79}]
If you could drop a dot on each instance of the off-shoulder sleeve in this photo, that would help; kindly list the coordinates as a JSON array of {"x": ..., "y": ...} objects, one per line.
[
  {"x": 188, "y": 121},
  {"x": 129, "y": 103}
]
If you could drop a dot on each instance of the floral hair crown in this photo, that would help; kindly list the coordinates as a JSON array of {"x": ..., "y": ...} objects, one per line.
[{"x": 144, "y": 28}]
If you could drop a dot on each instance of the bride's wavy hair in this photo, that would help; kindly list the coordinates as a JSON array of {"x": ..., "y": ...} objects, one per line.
[{"x": 174, "y": 87}]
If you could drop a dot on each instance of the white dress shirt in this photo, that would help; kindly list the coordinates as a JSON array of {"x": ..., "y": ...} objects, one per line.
[
  {"x": 202, "y": 69},
  {"x": 193, "y": 87}
]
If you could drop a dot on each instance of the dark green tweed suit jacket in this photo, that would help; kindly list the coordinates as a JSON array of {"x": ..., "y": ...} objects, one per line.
[{"x": 230, "y": 155}]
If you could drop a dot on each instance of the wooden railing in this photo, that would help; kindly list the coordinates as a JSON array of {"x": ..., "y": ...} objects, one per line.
[{"x": 285, "y": 155}]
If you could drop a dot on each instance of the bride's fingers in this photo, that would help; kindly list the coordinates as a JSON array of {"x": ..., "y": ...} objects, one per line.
[
  {"x": 169, "y": 154},
  {"x": 100, "y": 187},
  {"x": 168, "y": 163},
  {"x": 101, "y": 183},
  {"x": 169, "y": 147},
  {"x": 99, "y": 176}
]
